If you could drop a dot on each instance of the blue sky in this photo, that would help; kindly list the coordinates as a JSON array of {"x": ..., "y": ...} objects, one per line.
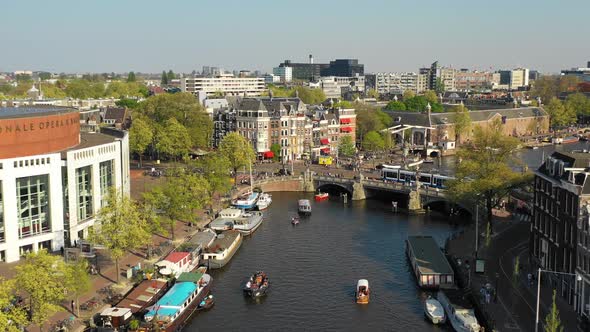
[{"x": 385, "y": 35}]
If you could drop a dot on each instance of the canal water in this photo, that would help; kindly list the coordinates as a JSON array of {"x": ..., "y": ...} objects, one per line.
[{"x": 314, "y": 267}]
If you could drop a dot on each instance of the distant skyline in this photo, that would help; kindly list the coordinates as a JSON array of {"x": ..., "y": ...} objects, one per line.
[{"x": 385, "y": 35}]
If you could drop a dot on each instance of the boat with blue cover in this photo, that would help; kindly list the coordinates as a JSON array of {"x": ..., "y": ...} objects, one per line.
[{"x": 175, "y": 308}]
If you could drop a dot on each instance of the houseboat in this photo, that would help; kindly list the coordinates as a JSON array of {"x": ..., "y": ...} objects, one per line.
[
  {"x": 431, "y": 268},
  {"x": 304, "y": 207},
  {"x": 198, "y": 243},
  {"x": 174, "y": 309},
  {"x": 459, "y": 311},
  {"x": 264, "y": 201},
  {"x": 362, "y": 291},
  {"x": 257, "y": 285},
  {"x": 320, "y": 196},
  {"x": 115, "y": 318},
  {"x": 176, "y": 263},
  {"x": 144, "y": 295},
  {"x": 223, "y": 249},
  {"x": 225, "y": 218},
  {"x": 245, "y": 222}
]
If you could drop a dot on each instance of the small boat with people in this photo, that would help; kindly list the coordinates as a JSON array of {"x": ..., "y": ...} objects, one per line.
[
  {"x": 434, "y": 311},
  {"x": 264, "y": 201},
  {"x": 295, "y": 220},
  {"x": 304, "y": 207},
  {"x": 257, "y": 285},
  {"x": 458, "y": 310},
  {"x": 320, "y": 196},
  {"x": 362, "y": 292},
  {"x": 207, "y": 303}
]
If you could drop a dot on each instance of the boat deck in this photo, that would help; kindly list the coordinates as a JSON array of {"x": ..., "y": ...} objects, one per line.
[
  {"x": 142, "y": 295},
  {"x": 429, "y": 257},
  {"x": 223, "y": 241}
]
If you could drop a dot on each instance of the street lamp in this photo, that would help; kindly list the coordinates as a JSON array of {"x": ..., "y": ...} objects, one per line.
[{"x": 578, "y": 278}]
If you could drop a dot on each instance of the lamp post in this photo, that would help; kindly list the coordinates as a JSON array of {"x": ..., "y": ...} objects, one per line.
[{"x": 578, "y": 278}]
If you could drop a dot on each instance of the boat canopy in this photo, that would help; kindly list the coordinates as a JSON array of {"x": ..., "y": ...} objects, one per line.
[
  {"x": 171, "y": 303},
  {"x": 189, "y": 277},
  {"x": 361, "y": 283}
]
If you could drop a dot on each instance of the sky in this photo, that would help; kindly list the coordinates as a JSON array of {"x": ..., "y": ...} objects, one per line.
[{"x": 385, "y": 35}]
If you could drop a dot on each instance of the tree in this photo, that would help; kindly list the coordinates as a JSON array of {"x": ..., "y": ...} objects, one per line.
[
  {"x": 310, "y": 96},
  {"x": 408, "y": 94},
  {"x": 131, "y": 77},
  {"x": 120, "y": 226},
  {"x": 462, "y": 121},
  {"x": 439, "y": 86},
  {"x": 559, "y": 114},
  {"x": 141, "y": 136},
  {"x": 346, "y": 147},
  {"x": 343, "y": 104},
  {"x": 396, "y": 106},
  {"x": 276, "y": 151},
  {"x": 44, "y": 76},
  {"x": 373, "y": 141},
  {"x": 552, "y": 321},
  {"x": 52, "y": 91},
  {"x": 485, "y": 168},
  {"x": 238, "y": 151},
  {"x": 578, "y": 103},
  {"x": 173, "y": 139},
  {"x": 548, "y": 87},
  {"x": 171, "y": 76},
  {"x": 179, "y": 198},
  {"x": 218, "y": 171},
  {"x": 417, "y": 103},
  {"x": 40, "y": 277},
  {"x": 128, "y": 103},
  {"x": 77, "y": 281},
  {"x": 372, "y": 93},
  {"x": 12, "y": 317},
  {"x": 431, "y": 97},
  {"x": 164, "y": 80}
]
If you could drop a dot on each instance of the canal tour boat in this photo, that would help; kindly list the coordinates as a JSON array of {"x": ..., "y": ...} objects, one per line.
[
  {"x": 362, "y": 292},
  {"x": 434, "y": 311},
  {"x": 459, "y": 311},
  {"x": 304, "y": 207},
  {"x": 264, "y": 201},
  {"x": 246, "y": 201},
  {"x": 257, "y": 285},
  {"x": 223, "y": 249},
  {"x": 174, "y": 309},
  {"x": 319, "y": 197}
]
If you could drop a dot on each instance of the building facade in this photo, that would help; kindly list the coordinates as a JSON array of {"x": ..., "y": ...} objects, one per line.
[
  {"x": 466, "y": 80},
  {"x": 312, "y": 71},
  {"x": 285, "y": 74},
  {"x": 225, "y": 84},
  {"x": 54, "y": 178}
]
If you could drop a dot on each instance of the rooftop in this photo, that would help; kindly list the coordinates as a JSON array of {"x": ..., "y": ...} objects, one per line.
[
  {"x": 89, "y": 140},
  {"x": 143, "y": 295},
  {"x": 33, "y": 111},
  {"x": 172, "y": 301},
  {"x": 176, "y": 256},
  {"x": 429, "y": 257}
]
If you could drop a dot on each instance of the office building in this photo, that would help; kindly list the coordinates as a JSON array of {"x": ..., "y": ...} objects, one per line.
[
  {"x": 582, "y": 73},
  {"x": 54, "y": 178},
  {"x": 226, "y": 84},
  {"x": 515, "y": 79},
  {"x": 312, "y": 71},
  {"x": 285, "y": 74},
  {"x": 466, "y": 80}
]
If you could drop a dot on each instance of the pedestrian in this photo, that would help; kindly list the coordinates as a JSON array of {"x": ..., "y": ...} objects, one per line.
[
  {"x": 61, "y": 249},
  {"x": 488, "y": 297},
  {"x": 530, "y": 279},
  {"x": 72, "y": 304}
]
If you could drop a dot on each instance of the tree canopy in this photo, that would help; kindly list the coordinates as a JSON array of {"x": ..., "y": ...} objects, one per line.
[
  {"x": 307, "y": 95},
  {"x": 560, "y": 114},
  {"x": 578, "y": 103},
  {"x": 552, "y": 321},
  {"x": 217, "y": 169},
  {"x": 373, "y": 141},
  {"x": 548, "y": 87},
  {"x": 141, "y": 135},
  {"x": 173, "y": 139},
  {"x": 346, "y": 147},
  {"x": 462, "y": 121},
  {"x": 396, "y": 105},
  {"x": 12, "y": 317},
  {"x": 369, "y": 118},
  {"x": 237, "y": 150}
]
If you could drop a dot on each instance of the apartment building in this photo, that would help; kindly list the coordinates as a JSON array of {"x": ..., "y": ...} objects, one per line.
[
  {"x": 225, "y": 84},
  {"x": 514, "y": 79},
  {"x": 466, "y": 80}
]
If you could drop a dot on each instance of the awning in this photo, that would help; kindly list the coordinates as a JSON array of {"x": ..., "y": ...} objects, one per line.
[
  {"x": 269, "y": 154},
  {"x": 347, "y": 120},
  {"x": 325, "y": 150},
  {"x": 324, "y": 141},
  {"x": 346, "y": 129}
]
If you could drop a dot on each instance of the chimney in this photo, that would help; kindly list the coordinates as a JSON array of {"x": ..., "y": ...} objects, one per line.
[{"x": 311, "y": 59}]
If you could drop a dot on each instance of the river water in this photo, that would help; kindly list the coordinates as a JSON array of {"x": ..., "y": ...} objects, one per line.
[{"x": 315, "y": 265}]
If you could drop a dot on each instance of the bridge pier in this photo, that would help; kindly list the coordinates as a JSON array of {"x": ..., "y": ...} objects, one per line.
[
  {"x": 358, "y": 192},
  {"x": 415, "y": 203},
  {"x": 308, "y": 184}
]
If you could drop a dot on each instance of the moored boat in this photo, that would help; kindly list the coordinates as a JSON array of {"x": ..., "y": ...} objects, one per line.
[
  {"x": 304, "y": 207},
  {"x": 362, "y": 292},
  {"x": 246, "y": 201},
  {"x": 223, "y": 249},
  {"x": 248, "y": 222},
  {"x": 257, "y": 285},
  {"x": 434, "y": 311},
  {"x": 207, "y": 303},
  {"x": 459, "y": 311},
  {"x": 319, "y": 197},
  {"x": 225, "y": 219},
  {"x": 264, "y": 201},
  {"x": 570, "y": 139}
]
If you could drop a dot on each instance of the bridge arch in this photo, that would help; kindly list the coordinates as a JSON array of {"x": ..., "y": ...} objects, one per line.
[
  {"x": 446, "y": 207},
  {"x": 334, "y": 188}
]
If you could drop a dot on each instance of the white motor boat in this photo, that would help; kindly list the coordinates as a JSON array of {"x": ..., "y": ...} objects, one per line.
[
  {"x": 304, "y": 207},
  {"x": 434, "y": 311},
  {"x": 264, "y": 201},
  {"x": 459, "y": 311}
]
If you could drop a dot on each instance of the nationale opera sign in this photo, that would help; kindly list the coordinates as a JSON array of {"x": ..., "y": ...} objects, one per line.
[{"x": 27, "y": 136}]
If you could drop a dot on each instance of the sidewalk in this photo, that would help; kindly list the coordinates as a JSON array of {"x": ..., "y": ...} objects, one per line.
[{"x": 514, "y": 308}]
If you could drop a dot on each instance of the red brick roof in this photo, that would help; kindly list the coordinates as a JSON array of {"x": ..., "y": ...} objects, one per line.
[{"x": 176, "y": 257}]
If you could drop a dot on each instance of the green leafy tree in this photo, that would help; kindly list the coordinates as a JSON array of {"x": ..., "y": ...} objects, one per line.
[
  {"x": 560, "y": 115},
  {"x": 396, "y": 106},
  {"x": 173, "y": 139},
  {"x": 128, "y": 103},
  {"x": 343, "y": 104},
  {"x": 431, "y": 97},
  {"x": 462, "y": 121},
  {"x": 171, "y": 76},
  {"x": 52, "y": 91},
  {"x": 439, "y": 86},
  {"x": 485, "y": 169},
  {"x": 346, "y": 147},
  {"x": 276, "y": 151},
  {"x": 217, "y": 168},
  {"x": 179, "y": 198},
  {"x": 120, "y": 226},
  {"x": 77, "y": 281},
  {"x": 552, "y": 320},
  {"x": 372, "y": 93},
  {"x": 417, "y": 103},
  {"x": 141, "y": 136},
  {"x": 408, "y": 94},
  {"x": 238, "y": 151},
  {"x": 164, "y": 80},
  {"x": 12, "y": 318},
  {"x": 41, "y": 278},
  {"x": 44, "y": 76},
  {"x": 373, "y": 141},
  {"x": 548, "y": 87},
  {"x": 131, "y": 77},
  {"x": 310, "y": 96},
  {"x": 579, "y": 103}
]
